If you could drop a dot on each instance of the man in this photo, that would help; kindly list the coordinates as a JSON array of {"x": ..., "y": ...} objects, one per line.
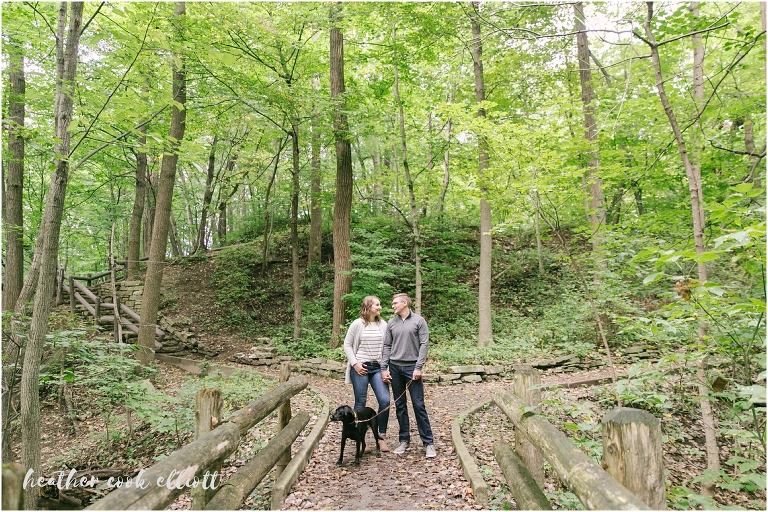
[{"x": 403, "y": 355}]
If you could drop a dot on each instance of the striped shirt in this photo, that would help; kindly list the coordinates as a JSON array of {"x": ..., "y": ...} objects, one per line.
[{"x": 370, "y": 344}]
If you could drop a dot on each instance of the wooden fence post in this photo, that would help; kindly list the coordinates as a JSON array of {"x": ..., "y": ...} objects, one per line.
[
  {"x": 72, "y": 294},
  {"x": 208, "y": 405},
  {"x": 525, "y": 377},
  {"x": 59, "y": 284},
  {"x": 632, "y": 454},
  {"x": 97, "y": 311},
  {"x": 283, "y": 418},
  {"x": 116, "y": 324}
]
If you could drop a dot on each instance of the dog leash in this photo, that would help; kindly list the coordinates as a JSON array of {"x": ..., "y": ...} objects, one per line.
[{"x": 408, "y": 384}]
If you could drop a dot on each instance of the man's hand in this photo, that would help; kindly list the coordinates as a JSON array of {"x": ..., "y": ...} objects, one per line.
[
  {"x": 360, "y": 369},
  {"x": 416, "y": 374},
  {"x": 385, "y": 376}
]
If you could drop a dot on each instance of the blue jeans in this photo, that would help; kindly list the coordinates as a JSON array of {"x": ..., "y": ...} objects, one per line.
[
  {"x": 401, "y": 375},
  {"x": 380, "y": 389}
]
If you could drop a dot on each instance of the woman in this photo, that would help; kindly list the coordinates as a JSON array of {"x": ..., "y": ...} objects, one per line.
[{"x": 362, "y": 345}]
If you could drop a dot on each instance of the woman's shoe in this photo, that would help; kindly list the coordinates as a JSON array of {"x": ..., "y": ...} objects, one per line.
[{"x": 383, "y": 445}]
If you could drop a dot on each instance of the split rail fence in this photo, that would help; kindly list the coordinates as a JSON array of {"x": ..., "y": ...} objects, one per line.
[
  {"x": 631, "y": 476},
  {"x": 215, "y": 440}
]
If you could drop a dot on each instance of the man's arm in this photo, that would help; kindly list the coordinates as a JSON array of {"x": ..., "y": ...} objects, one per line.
[
  {"x": 386, "y": 350},
  {"x": 423, "y": 344}
]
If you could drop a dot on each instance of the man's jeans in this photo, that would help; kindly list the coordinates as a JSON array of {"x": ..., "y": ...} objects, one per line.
[
  {"x": 380, "y": 389},
  {"x": 400, "y": 377}
]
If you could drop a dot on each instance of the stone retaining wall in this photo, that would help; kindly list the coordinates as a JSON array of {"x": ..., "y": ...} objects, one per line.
[
  {"x": 266, "y": 357},
  {"x": 179, "y": 337}
]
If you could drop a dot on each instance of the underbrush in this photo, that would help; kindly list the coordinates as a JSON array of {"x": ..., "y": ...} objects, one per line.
[
  {"x": 127, "y": 413},
  {"x": 669, "y": 392}
]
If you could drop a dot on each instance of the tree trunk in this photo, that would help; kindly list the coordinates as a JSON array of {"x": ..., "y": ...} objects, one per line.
[
  {"x": 316, "y": 211},
  {"x": 537, "y": 223},
  {"x": 697, "y": 212},
  {"x": 191, "y": 220},
  {"x": 596, "y": 213},
  {"x": 175, "y": 243},
  {"x": 134, "y": 229},
  {"x": 295, "y": 233},
  {"x": 446, "y": 165},
  {"x": 698, "y": 98},
  {"x": 13, "y": 218},
  {"x": 265, "y": 241},
  {"x": 151, "y": 299},
  {"x": 13, "y": 224},
  {"x": 342, "y": 210},
  {"x": 221, "y": 224},
  {"x": 409, "y": 182},
  {"x": 149, "y": 213},
  {"x": 207, "y": 196},
  {"x": 485, "y": 333},
  {"x": 50, "y": 227}
]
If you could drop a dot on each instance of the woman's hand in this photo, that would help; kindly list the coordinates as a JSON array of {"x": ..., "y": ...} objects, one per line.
[{"x": 360, "y": 369}]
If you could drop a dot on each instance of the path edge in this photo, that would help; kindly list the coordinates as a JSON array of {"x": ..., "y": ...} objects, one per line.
[
  {"x": 282, "y": 486},
  {"x": 471, "y": 472}
]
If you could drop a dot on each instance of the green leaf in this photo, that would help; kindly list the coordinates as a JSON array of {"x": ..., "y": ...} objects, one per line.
[{"x": 651, "y": 278}]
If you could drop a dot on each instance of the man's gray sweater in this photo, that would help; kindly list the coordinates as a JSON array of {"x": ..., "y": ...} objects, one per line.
[{"x": 405, "y": 342}]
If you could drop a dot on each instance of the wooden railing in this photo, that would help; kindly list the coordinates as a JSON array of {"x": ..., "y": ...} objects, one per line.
[
  {"x": 163, "y": 482},
  {"x": 633, "y": 478},
  {"x": 80, "y": 293}
]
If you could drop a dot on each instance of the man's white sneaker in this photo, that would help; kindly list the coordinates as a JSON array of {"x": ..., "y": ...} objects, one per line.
[
  {"x": 405, "y": 445},
  {"x": 431, "y": 453}
]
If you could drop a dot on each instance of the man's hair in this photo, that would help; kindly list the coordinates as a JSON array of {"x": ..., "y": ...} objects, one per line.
[
  {"x": 403, "y": 296},
  {"x": 365, "y": 308}
]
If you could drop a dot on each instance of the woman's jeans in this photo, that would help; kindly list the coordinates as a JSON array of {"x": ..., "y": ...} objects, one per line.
[
  {"x": 401, "y": 375},
  {"x": 380, "y": 389}
]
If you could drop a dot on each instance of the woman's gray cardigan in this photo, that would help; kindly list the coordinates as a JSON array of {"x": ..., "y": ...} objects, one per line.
[{"x": 352, "y": 343}]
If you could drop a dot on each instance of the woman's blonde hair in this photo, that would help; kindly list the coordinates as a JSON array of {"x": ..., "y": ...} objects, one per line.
[{"x": 366, "y": 308}]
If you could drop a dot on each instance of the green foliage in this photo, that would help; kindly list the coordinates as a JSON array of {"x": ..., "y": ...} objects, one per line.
[
  {"x": 641, "y": 389},
  {"x": 379, "y": 267},
  {"x": 234, "y": 279}
]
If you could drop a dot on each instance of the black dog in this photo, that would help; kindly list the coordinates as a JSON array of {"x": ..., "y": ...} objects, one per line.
[{"x": 354, "y": 426}]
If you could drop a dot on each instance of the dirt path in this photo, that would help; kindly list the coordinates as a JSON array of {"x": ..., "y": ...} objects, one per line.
[{"x": 408, "y": 481}]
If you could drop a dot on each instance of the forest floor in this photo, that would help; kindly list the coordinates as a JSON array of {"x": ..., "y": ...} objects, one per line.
[{"x": 392, "y": 482}]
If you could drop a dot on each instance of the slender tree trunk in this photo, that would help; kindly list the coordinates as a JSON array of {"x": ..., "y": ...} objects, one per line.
[
  {"x": 149, "y": 213},
  {"x": 537, "y": 222},
  {"x": 594, "y": 183},
  {"x": 207, "y": 196},
  {"x": 174, "y": 238},
  {"x": 638, "y": 193},
  {"x": 265, "y": 241},
  {"x": 698, "y": 98},
  {"x": 408, "y": 181},
  {"x": 342, "y": 210},
  {"x": 378, "y": 177},
  {"x": 191, "y": 220},
  {"x": 295, "y": 232},
  {"x": 154, "y": 277},
  {"x": 13, "y": 221},
  {"x": 134, "y": 229},
  {"x": 316, "y": 211},
  {"x": 697, "y": 212},
  {"x": 221, "y": 225},
  {"x": 485, "y": 333},
  {"x": 446, "y": 164},
  {"x": 66, "y": 68}
]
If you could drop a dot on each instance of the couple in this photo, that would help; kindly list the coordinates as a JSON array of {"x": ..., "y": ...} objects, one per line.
[{"x": 381, "y": 352}]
